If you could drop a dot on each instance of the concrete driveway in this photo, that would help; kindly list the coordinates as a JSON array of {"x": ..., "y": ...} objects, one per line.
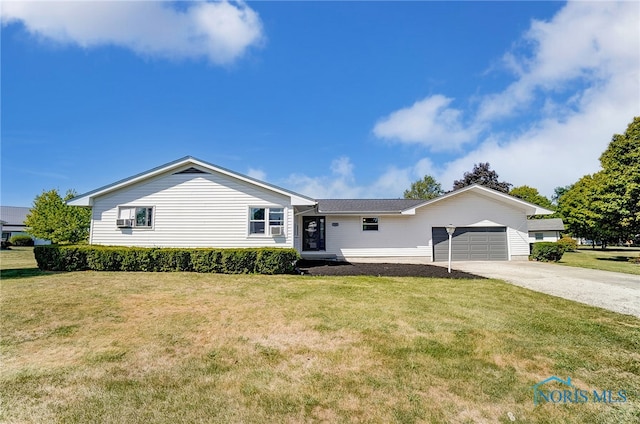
[{"x": 609, "y": 290}]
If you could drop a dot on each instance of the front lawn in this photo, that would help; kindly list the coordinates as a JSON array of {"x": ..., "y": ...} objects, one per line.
[
  {"x": 182, "y": 348},
  {"x": 611, "y": 259}
]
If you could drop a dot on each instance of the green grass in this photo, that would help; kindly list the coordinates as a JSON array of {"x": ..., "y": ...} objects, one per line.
[
  {"x": 611, "y": 259},
  {"x": 108, "y": 347}
]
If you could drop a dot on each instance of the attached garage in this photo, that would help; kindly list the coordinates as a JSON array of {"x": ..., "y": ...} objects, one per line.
[{"x": 471, "y": 244}]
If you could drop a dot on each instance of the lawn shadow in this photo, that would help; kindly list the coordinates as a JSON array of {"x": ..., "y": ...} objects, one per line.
[
  {"x": 616, "y": 258},
  {"x": 9, "y": 274}
]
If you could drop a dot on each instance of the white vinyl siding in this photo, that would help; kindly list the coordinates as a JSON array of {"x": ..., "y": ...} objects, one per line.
[
  {"x": 396, "y": 236},
  {"x": 411, "y": 235},
  {"x": 190, "y": 210}
]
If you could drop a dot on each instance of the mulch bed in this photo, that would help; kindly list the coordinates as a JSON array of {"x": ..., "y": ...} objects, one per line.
[{"x": 337, "y": 268}]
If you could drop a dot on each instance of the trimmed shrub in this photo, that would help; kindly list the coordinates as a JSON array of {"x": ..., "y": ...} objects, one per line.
[
  {"x": 61, "y": 258},
  {"x": 273, "y": 261},
  {"x": 568, "y": 244},
  {"x": 21, "y": 240},
  {"x": 5, "y": 245},
  {"x": 547, "y": 251},
  {"x": 239, "y": 261},
  {"x": 206, "y": 260},
  {"x": 114, "y": 258}
]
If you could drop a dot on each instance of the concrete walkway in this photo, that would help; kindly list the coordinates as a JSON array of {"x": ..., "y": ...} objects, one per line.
[{"x": 609, "y": 290}]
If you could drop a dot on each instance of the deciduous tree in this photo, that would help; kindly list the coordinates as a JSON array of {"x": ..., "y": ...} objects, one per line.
[
  {"x": 52, "y": 219},
  {"x": 577, "y": 211},
  {"x": 482, "y": 174},
  {"x": 532, "y": 195},
  {"x": 620, "y": 184},
  {"x": 426, "y": 188}
]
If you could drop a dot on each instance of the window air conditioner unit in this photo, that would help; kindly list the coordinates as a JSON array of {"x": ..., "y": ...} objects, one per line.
[
  {"x": 277, "y": 230},
  {"x": 124, "y": 223}
]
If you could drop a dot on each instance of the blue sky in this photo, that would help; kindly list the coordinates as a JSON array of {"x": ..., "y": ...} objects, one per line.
[{"x": 329, "y": 99}]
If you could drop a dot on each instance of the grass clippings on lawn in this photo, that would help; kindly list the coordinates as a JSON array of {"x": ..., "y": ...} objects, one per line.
[{"x": 182, "y": 348}]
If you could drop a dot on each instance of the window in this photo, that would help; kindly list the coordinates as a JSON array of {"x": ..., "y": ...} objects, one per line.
[
  {"x": 256, "y": 221},
  {"x": 260, "y": 217},
  {"x": 369, "y": 224},
  {"x": 137, "y": 217},
  {"x": 276, "y": 216},
  {"x": 539, "y": 236}
]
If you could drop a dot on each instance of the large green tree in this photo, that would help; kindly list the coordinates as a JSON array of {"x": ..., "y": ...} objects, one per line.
[
  {"x": 620, "y": 200},
  {"x": 575, "y": 207},
  {"x": 484, "y": 175},
  {"x": 532, "y": 195},
  {"x": 426, "y": 188},
  {"x": 605, "y": 206},
  {"x": 52, "y": 219}
]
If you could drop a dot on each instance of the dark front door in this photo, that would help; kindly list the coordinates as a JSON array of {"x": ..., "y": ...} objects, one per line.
[{"x": 313, "y": 233}]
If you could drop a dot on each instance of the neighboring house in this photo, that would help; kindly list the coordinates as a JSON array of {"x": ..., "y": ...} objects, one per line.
[
  {"x": 192, "y": 203},
  {"x": 13, "y": 225},
  {"x": 545, "y": 229}
]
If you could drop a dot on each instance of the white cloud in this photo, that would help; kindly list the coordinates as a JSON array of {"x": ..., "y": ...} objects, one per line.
[
  {"x": 220, "y": 32},
  {"x": 584, "y": 69},
  {"x": 586, "y": 43},
  {"x": 341, "y": 183},
  {"x": 430, "y": 122},
  {"x": 258, "y": 174}
]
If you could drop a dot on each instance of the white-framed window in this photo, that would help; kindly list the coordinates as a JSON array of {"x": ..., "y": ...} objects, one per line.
[
  {"x": 135, "y": 216},
  {"x": 267, "y": 221},
  {"x": 539, "y": 236},
  {"x": 370, "y": 223}
]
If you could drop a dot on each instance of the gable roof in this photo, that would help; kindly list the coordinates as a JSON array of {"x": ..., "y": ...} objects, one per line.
[
  {"x": 186, "y": 164},
  {"x": 409, "y": 206},
  {"x": 552, "y": 224},
  {"x": 528, "y": 208}
]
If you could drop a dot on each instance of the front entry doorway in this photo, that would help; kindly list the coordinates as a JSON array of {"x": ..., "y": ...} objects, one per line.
[{"x": 313, "y": 233}]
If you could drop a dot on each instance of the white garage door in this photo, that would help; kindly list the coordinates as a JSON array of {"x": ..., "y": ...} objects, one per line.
[{"x": 471, "y": 244}]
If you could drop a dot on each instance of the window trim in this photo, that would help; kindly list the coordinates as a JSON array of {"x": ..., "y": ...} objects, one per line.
[
  {"x": 268, "y": 221},
  {"x": 540, "y": 238},
  {"x": 364, "y": 224},
  {"x": 134, "y": 218}
]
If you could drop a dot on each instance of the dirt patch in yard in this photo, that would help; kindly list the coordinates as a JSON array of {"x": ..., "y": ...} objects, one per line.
[{"x": 338, "y": 268}]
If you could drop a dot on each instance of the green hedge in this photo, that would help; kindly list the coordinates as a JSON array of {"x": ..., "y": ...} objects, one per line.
[
  {"x": 568, "y": 244},
  {"x": 547, "y": 251},
  {"x": 112, "y": 258},
  {"x": 21, "y": 240}
]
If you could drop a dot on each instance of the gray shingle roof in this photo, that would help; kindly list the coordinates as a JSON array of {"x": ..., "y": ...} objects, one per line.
[
  {"x": 13, "y": 215},
  {"x": 366, "y": 205},
  {"x": 552, "y": 224}
]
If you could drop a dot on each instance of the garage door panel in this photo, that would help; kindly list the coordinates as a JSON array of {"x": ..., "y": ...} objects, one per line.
[{"x": 471, "y": 243}]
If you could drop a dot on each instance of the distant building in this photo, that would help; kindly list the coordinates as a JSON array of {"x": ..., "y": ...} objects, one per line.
[
  {"x": 545, "y": 229},
  {"x": 13, "y": 218}
]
